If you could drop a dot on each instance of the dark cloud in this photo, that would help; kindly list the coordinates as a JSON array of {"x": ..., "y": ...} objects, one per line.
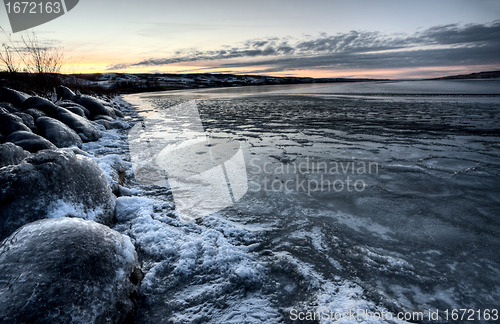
[
  {"x": 456, "y": 35},
  {"x": 472, "y": 44},
  {"x": 415, "y": 58}
]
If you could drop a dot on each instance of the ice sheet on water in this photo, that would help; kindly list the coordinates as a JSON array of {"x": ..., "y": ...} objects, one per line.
[
  {"x": 483, "y": 86},
  {"x": 273, "y": 251}
]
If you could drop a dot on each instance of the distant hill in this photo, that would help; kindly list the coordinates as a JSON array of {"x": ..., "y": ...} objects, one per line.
[
  {"x": 142, "y": 82},
  {"x": 126, "y": 82},
  {"x": 478, "y": 75}
]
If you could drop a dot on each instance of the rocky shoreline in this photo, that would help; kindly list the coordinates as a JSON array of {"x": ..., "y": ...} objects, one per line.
[{"x": 59, "y": 260}]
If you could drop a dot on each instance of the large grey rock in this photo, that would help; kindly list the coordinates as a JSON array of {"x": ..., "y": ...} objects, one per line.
[
  {"x": 81, "y": 125},
  {"x": 77, "y": 110},
  {"x": 67, "y": 270},
  {"x": 57, "y": 132},
  {"x": 16, "y": 98},
  {"x": 35, "y": 113},
  {"x": 42, "y": 104},
  {"x": 117, "y": 124},
  {"x": 29, "y": 141},
  {"x": 28, "y": 120},
  {"x": 73, "y": 105},
  {"x": 11, "y": 154},
  {"x": 118, "y": 113},
  {"x": 9, "y": 107},
  {"x": 103, "y": 117},
  {"x": 94, "y": 106},
  {"x": 10, "y": 123},
  {"x": 53, "y": 183},
  {"x": 64, "y": 93}
]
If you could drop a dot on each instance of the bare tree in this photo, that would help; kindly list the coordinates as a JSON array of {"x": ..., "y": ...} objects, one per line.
[
  {"x": 7, "y": 55},
  {"x": 7, "y": 58},
  {"x": 40, "y": 59},
  {"x": 32, "y": 62},
  {"x": 31, "y": 54}
]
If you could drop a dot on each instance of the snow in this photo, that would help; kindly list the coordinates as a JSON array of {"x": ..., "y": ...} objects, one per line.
[
  {"x": 61, "y": 208},
  {"x": 131, "y": 207}
]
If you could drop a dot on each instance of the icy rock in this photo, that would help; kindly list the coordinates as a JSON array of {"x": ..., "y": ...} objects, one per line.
[
  {"x": 82, "y": 126},
  {"x": 65, "y": 93},
  {"x": 114, "y": 169},
  {"x": 51, "y": 184},
  {"x": 9, "y": 107},
  {"x": 57, "y": 132},
  {"x": 35, "y": 113},
  {"x": 67, "y": 270},
  {"x": 28, "y": 120},
  {"x": 16, "y": 98},
  {"x": 10, "y": 123},
  {"x": 103, "y": 117},
  {"x": 77, "y": 110},
  {"x": 41, "y": 104},
  {"x": 71, "y": 106},
  {"x": 11, "y": 154},
  {"x": 116, "y": 124},
  {"x": 118, "y": 113},
  {"x": 29, "y": 141},
  {"x": 94, "y": 106}
]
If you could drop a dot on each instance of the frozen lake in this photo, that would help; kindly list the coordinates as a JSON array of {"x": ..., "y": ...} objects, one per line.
[{"x": 379, "y": 196}]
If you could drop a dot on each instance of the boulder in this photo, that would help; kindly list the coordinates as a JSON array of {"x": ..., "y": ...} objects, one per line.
[
  {"x": 16, "y": 98},
  {"x": 57, "y": 132},
  {"x": 94, "y": 106},
  {"x": 35, "y": 113},
  {"x": 112, "y": 124},
  {"x": 68, "y": 270},
  {"x": 103, "y": 117},
  {"x": 82, "y": 126},
  {"x": 64, "y": 93},
  {"x": 42, "y": 104},
  {"x": 53, "y": 183},
  {"x": 71, "y": 104},
  {"x": 118, "y": 113},
  {"x": 11, "y": 154},
  {"x": 28, "y": 120},
  {"x": 9, "y": 107},
  {"x": 10, "y": 123},
  {"x": 29, "y": 141},
  {"x": 77, "y": 110}
]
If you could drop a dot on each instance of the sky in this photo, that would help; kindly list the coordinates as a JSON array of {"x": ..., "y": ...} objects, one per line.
[{"x": 315, "y": 38}]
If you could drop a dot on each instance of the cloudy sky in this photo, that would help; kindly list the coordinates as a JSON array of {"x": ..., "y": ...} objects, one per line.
[{"x": 386, "y": 39}]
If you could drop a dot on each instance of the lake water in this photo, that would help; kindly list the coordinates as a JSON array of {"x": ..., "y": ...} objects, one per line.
[{"x": 381, "y": 197}]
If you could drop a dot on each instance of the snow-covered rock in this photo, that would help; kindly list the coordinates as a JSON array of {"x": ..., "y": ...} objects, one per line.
[
  {"x": 67, "y": 270},
  {"x": 51, "y": 184},
  {"x": 10, "y": 123},
  {"x": 94, "y": 106},
  {"x": 29, "y": 141},
  {"x": 81, "y": 125},
  {"x": 57, "y": 132},
  {"x": 11, "y": 154},
  {"x": 12, "y": 96}
]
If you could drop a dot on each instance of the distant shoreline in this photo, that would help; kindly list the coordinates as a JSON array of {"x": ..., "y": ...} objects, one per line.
[{"x": 125, "y": 83}]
